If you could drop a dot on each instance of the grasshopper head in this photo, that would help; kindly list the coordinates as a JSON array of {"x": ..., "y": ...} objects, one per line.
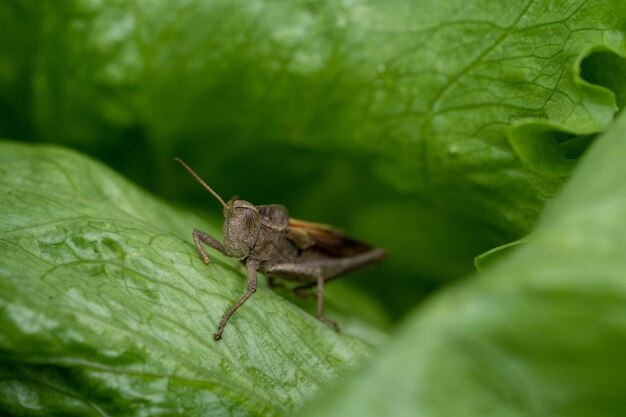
[
  {"x": 242, "y": 223},
  {"x": 241, "y": 227}
]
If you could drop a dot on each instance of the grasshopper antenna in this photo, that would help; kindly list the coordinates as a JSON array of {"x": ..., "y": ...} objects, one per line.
[{"x": 197, "y": 177}]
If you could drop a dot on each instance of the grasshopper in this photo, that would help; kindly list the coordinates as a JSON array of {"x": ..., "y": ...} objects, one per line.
[{"x": 265, "y": 239}]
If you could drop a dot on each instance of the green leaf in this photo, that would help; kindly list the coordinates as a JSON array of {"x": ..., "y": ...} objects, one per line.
[
  {"x": 540, "y": 333},
  {"x": 107, "y": 309},
  {"x": 411, "y": 101},
  {"x": 492, "y": 256},
  {"x": 547, "y": 148},
  {"x": 436, "y": 129}
]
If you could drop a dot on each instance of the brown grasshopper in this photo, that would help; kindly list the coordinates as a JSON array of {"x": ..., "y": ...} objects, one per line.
[{"x": 266, "y": 239}]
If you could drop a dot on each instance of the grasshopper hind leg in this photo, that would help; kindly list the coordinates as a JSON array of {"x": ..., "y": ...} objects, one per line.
[{"x": 306, "y": 272}]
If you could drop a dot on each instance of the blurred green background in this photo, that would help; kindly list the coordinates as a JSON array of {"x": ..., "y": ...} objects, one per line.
[{"x": 314, "y": 105}]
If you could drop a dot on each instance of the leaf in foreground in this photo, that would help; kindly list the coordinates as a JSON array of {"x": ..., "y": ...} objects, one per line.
[
  {"x": 106, "y": 308},
  {"x": 541, "y": 333}
]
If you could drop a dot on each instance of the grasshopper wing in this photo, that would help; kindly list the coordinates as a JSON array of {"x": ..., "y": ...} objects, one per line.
[{"x": 325, "y": 239}]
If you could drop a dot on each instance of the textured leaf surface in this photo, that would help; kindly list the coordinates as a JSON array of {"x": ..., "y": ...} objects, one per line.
[
  {"x": 106, "y": 308},
  {"x": 542, "y": 333},
  {"x": 435, "y": 129},
  {"x": 402, "y": 107}
]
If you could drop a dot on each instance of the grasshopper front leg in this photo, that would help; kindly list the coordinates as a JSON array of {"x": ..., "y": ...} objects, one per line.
[
  {"x": 198, "y": 237},
  {"x": 251, "y": 289}
]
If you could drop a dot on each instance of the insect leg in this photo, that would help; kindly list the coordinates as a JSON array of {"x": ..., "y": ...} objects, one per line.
[
  {"x": 320, "y": 305},
  {"x": 251, "y": 289},
  {"x": 332, "y": 268},
  {"x": 307, "y": 271},
  {"x": 198, "y": 237}
]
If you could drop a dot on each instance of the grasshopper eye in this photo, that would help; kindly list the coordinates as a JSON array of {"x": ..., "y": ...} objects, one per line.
[{"x": 249, "y": 216}]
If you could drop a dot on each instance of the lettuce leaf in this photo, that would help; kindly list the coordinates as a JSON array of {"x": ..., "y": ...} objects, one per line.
[
  {"x": 436, "y": 129},
  {"x": 452, "y": 120},
  {"x": 107, "y": 309},
  {"x": 540, "y": 333}
]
